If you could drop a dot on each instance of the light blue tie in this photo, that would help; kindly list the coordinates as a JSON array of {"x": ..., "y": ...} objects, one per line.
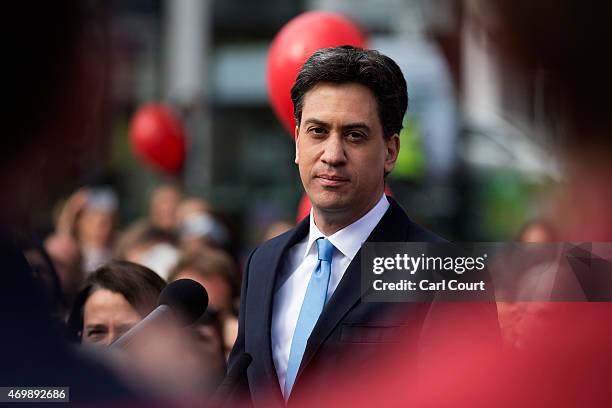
[{"x": 314, "y": 300}]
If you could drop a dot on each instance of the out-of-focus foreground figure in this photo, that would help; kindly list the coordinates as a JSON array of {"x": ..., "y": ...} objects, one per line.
[{"x": 55, "y": 83}]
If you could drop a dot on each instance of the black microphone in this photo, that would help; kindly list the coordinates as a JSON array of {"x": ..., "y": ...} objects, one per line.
[
  {"x": 232, "y": 379},
  {"x": 184, "y": 299}
]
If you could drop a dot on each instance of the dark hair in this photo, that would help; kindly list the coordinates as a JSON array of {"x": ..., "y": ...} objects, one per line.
[
  {"x": 370, "y": 68},
  {"x": 139, "y": 285}
]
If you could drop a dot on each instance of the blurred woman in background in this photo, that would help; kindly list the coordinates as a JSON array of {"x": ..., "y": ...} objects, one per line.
[{"x": 115, "y": 297}]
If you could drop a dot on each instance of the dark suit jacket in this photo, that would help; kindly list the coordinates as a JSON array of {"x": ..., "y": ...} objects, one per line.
[{"x": 348, "y": 331}]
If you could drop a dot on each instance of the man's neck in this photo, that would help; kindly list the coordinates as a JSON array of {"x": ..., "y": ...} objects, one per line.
[
  {"x": 330, "y": 222},
  {"x": 330, "y": 226}
]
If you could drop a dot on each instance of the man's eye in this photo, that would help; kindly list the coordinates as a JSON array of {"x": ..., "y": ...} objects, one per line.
[
  {"x": 355, "y": 136},
  {"x": 317, "y": 131}
]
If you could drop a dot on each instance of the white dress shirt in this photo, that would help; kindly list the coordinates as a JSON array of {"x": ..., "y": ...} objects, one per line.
[{"x": 301, "y": 261}]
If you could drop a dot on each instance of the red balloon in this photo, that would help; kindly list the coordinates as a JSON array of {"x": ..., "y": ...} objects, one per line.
[
  {"x": 157, "y": 138},
  {"x": 305, "y": 205},
  {"x": 292, "y": 46}
]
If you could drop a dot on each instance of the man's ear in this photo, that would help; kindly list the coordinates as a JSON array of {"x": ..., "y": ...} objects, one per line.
[
  {"x": 296, "y": 133},
  {"x": 393, "y": 147}
]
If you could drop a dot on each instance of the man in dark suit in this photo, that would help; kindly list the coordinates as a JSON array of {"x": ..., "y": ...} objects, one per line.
[{"x": 301, "y": 314}]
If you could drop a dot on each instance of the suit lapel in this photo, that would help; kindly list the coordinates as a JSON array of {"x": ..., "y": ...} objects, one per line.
[
  {"x": 391, "y": 228},
  {"x": 268, "y": 270}
]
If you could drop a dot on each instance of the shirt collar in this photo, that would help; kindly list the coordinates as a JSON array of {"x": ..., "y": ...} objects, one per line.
[{"x": 348, "y": 240}]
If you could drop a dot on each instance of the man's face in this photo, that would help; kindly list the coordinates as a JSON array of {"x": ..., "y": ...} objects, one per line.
[{"x": 341, "y": 152}]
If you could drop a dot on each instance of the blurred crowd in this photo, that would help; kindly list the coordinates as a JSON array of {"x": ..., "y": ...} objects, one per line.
[{"x": 102, "y": 279}]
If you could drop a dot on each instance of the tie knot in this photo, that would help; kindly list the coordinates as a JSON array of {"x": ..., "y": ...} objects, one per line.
[{"x": 325, "y": 249}]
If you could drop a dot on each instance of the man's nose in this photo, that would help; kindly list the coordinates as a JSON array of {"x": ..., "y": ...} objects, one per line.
[{"x": 334, "y": 153}]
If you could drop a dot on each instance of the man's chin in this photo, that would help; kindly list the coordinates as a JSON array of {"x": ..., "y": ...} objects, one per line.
[{"x": 329, "y": 206}]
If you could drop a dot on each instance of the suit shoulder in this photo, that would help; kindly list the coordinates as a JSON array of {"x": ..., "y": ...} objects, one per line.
[
  {"x": 275, "y": 244},
  {"x": 417, "y": 233},
  {"x": 397, "y": 220}
]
